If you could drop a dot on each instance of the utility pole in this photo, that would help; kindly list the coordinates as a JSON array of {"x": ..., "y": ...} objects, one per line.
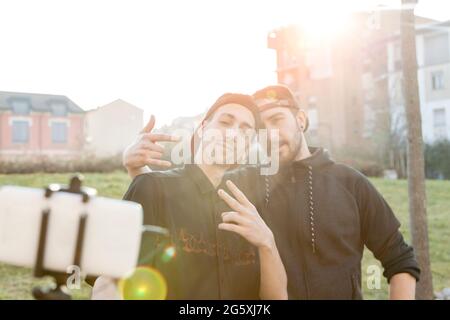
[{"x": 416, "y": 167}]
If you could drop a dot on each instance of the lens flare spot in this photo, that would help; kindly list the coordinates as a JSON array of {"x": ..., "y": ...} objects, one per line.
[
  {"x": 168, "y": 254},
  {"x": 144, "y": 284}
]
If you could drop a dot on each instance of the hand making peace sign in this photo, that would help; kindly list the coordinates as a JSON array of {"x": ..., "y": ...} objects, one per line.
[{"x": 245, "y": 219}]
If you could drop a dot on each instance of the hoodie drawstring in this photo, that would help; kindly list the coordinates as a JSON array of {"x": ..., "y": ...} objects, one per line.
[
  {"x": 311, "y": 209},
  {"x": 310, "y": 202}
]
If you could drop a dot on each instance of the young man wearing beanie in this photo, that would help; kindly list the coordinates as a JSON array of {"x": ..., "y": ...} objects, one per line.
[{"x": 224, "y": 250}]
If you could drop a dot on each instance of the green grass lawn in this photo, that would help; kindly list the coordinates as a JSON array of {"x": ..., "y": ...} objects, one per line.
[{"x": 16, "y": 283}]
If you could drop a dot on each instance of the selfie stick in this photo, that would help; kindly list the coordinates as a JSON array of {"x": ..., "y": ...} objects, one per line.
[{"x": 59, "y": 293}]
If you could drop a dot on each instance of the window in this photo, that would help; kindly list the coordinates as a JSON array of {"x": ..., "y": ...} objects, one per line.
[
  {"x": 440, "y": 124},
  {"x": 397, "y": 56},
  {"x": 20, "y": 106},
  {"x": 313, "y": 119},
  {"x": 59, "y": 132},
  {"x": 397, "y": 90},
  {"x": 20, "y": 131},
  {"x": 59, "y": 109},
  {"x": 436, "y": 49},
  {"x": 437, "y": 80}
]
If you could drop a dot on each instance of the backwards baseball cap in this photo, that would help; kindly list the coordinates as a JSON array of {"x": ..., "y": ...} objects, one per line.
[
  {"x": 276, "y": 96},
  {"x": 231, "y": 98}
]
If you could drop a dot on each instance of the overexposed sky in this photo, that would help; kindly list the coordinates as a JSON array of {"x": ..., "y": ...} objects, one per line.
[{"x": 171, "y": 58}]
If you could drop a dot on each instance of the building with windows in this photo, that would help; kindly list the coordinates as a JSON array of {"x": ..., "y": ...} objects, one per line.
[
  {"x": 39, "y": 125},
  {"x": 350, "y": 83},
  {"x": 433, "y": 73}
]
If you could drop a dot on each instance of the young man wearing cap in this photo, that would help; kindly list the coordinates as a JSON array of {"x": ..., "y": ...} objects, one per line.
[
  {"x": 221, "y": 253},
  {"x": 323, "y": 213}
]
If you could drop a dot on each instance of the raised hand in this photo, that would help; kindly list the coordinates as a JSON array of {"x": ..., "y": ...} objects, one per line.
[
  {"x": 145, "y": 150},
  {"x": 245, "y": 219}
]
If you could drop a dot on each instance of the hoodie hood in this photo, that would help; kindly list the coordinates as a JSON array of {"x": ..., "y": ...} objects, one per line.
[{"x": 319, "y": 159}]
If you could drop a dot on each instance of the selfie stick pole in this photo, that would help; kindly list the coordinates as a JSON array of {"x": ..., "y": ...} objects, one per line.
[{"x": 59, "y": 292}]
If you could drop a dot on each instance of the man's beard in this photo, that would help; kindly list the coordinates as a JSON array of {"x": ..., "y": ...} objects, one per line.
[
  {"x": 294, "y": 146},
  {"x": 293, "y": 150}
]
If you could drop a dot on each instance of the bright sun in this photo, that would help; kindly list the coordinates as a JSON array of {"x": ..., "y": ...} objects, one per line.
[{"x": 327, "y": 18}]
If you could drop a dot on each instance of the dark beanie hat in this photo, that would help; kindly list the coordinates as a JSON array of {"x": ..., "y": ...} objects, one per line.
[
  {"x": 231, "y": 98},
  {"x": 235, "y": 98}
]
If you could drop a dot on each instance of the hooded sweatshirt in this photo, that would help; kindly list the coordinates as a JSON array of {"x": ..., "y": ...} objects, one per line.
[{"x": 322, "y": 215}]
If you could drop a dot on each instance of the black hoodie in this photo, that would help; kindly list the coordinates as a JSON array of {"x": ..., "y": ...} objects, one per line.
[{"x": 322, "y": 215}]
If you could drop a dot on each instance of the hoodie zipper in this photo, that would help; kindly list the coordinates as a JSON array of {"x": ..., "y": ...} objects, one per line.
[{"x": 299, "y": 216}]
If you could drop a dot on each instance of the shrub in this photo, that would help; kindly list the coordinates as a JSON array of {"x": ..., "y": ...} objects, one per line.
[
  {"x": 437, "y": 160},
  {"x": 60, "y": 164}
]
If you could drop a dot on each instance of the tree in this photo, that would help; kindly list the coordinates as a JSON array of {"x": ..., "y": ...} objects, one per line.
[{"x": 416, "y": 167}]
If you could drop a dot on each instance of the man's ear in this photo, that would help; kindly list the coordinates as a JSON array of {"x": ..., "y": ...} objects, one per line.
[
  {"x": 196, "y": 138},
  {"x": 302, "y": 120},
  {"x": 200, "y": 128}
]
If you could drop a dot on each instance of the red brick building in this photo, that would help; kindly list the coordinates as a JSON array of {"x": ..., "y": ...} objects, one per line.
[{"x": 39, "y": 125}]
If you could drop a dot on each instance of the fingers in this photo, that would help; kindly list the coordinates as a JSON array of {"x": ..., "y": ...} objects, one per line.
[
  {"x": 239, "y": 195},
  {"x": 105, "y": 288},
  {"x": 234, "y": 217},
  {"x": 148, "y": 153},
  {"x": 159, "y": 163},
  {"x": 160, "y": 137},
  {"x": 155, "y": 155},
  {"x": 232, "y": 227},
  {"x": 146, "y": 131},
  {"x": 233, "y": 203},
  {"x": 151, "y": 146},
  {"x": 149, "y": 126}
]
